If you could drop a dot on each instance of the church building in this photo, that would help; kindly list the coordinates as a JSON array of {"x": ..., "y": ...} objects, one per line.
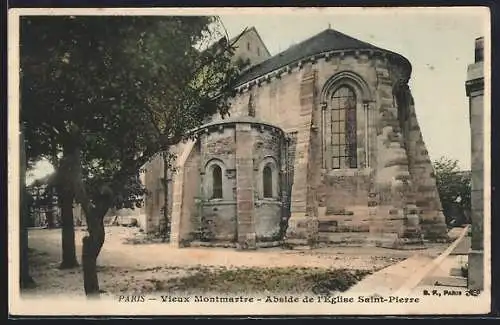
[{"x": 322, "y": 146}]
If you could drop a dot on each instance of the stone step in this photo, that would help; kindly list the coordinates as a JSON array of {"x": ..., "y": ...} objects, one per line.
[
  {"x": 339, "y": 220},
  {"x": 328, "y": 227},
  {"x": 351, "y": 238},
  {"x": 346, "y": 211},
  {"x": 338, "y": 212},
  {"x": 359, "y": 210},
  {"x": 345, "y": 217}
]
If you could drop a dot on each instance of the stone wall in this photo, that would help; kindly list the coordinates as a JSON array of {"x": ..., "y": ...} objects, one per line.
[
  {"x": 155, "y": 197},
  {"x": 288, "y": 168},
  {"x": 475, "y": 92},
  {"x": 268, "y": 221},
  {"x": 477, "y": 166},
  {"x": 383, "y": 157},
  {"x": 218, "y": 216},
  {"x": 220, "y": 147},
  {"x": 179, "y": 192},
  {"x": 388, "y": 155},
  {"x": 279, "y": 102},
  {"x": 242, "y": 215},
  {"x": 190, "y": 223},
  {"x": 426, "y": 196},
  {"x": 219, "y": 221},
  {"x": 250, "y": 46},
  {"x": 267, "y": 149},
  {"x": 244, "y": 187},
  {"x": 154, "y": 200}
]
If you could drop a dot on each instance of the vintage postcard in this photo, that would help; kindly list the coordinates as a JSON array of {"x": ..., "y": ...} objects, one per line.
[{"x": 246, "y": 161}]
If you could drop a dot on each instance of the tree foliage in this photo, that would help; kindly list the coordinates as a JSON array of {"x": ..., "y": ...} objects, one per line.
[
  {"x": 109, "y": 92},
  {"x": 130, "y": 86},
  {"x": 454, "y": 187}
]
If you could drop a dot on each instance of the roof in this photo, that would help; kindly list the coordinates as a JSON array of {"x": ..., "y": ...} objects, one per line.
[
  {"x": 327, "y": 40},
  {"x": 248, "y": 30}
]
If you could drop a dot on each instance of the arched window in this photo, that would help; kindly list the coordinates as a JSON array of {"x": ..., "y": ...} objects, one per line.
[
  {"x": 267, "y": 179},
  {"x": 216, "y": 182},
  {"x": 343, "y": 129}
]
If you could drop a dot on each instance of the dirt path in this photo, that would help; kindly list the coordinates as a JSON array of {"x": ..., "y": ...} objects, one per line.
[
  {"x": 126, "y": 267},
  {"x": 116, "y": 253}
]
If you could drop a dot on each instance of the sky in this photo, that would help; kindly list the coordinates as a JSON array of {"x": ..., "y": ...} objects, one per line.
[{"x": 439, "y": 43}]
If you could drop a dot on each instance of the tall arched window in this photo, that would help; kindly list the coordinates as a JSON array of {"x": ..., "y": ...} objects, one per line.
[
  {"x": 343, "y": 129},
  {"x": 216, "y": 182},
  {"x": 267, "y": 179}
]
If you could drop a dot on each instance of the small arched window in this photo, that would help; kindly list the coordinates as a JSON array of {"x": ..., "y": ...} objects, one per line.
[
  {"x": 267, "y": 179},
  {"x": 248, "y": 46},
  {"x": 258, "y": 51},
  {"x": 216, "y": 182}
]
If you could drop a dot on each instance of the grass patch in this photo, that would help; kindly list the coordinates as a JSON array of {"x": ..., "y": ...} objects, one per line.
[
  {"x": 142, "y": 238},
  {"x": 275, "y": 280}
]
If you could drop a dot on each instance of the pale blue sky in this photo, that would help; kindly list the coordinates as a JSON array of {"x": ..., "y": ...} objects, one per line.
[{"x": 439, "y": 42}]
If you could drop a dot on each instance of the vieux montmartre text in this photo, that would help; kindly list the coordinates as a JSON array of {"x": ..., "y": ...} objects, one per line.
[{"x": 289, "y": 299}]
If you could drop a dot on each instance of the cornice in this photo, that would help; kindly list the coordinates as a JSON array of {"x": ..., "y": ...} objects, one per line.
[
  {"x": 387, "y": 57},
  {"x": 219, "y": 126}
]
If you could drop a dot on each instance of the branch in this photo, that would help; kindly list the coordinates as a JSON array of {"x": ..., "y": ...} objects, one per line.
[
  {"x": 152, "y": 118},
  {"x": 237, "y": 38},
  {"x": 219, "y": 20},
  {"x": 225, "y": 50}
]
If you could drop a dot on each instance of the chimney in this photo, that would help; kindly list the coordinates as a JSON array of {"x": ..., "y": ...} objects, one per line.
[{"x": 479, "y": 50}]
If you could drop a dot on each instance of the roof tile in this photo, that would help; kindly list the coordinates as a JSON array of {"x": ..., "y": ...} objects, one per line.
[{"x": 327, "y": 40}]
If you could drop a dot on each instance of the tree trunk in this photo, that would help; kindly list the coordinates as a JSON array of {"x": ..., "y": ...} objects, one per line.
[
  {"x": 166, "y": 217},
  {"x": 25, "y": 280},
  {"x": 68, "y": 232},
  {"x": 66, "y": 197},
  {"x": 92, "y": 244}
]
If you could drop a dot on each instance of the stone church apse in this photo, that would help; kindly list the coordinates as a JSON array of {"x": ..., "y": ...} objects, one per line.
[{"x": 323, "y": 147}]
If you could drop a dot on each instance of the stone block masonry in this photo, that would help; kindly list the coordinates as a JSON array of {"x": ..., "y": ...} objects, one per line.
[
  {"x": 244, "y": 187},
  {"x": 183, "y": 193},
  {"x": 432, "y": 220},
  {"x": 302, "y": 225},
  {"x": 222, "y": 194}
]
